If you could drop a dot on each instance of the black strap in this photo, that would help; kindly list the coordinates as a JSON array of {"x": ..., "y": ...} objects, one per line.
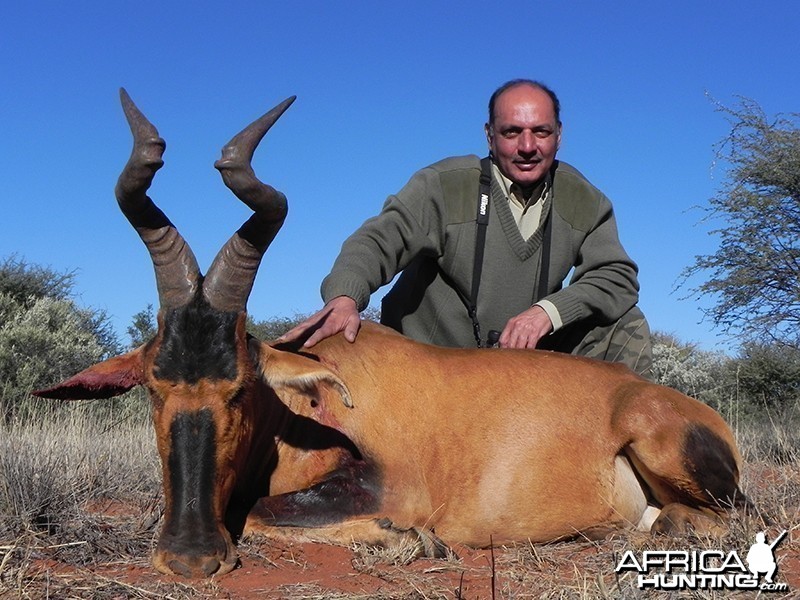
[
  {"x": 482, "y": 223},
  {"x": 544, "y": 272}
]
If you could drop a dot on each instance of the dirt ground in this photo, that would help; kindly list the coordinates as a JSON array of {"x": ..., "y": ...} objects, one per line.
[
  {"x": 107, "y": 556},
  {"x": 299, "y": 571},
  {"x": 577, "y": 569}
]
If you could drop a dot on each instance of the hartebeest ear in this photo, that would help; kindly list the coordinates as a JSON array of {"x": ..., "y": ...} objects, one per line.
[
  {"x": 106, "y": 379},
  {"x": 288, "y": 370}
]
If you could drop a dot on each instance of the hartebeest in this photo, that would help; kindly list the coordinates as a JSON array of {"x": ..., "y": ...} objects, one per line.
[{"x": 385, "y": 439}]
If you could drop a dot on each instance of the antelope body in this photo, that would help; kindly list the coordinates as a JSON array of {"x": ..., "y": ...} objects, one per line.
[{"x": 383, "y": 440}]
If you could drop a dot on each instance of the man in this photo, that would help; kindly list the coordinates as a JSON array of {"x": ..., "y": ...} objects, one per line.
[{"x": 545, "y": 220}]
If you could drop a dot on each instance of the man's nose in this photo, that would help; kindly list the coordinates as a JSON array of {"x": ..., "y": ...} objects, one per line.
[{"x": 527, "y": 143}]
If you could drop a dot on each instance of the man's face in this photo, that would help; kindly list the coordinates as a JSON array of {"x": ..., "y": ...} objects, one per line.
[{"x": 525, "y": 135}]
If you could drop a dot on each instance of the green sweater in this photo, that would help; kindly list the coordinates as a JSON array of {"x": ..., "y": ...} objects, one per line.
[{"x": 427, "y": 232}]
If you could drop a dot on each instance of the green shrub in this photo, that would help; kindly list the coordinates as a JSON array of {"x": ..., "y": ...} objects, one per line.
[
  {"x": 44, "y": 335},
  {"x": 769, "y": 374},
  {"x": 42, "y": 345},
  {"x": 694, "y": 372}
]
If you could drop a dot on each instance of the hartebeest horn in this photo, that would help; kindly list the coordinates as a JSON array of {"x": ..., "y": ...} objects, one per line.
[
  {"x": 177, "y": 273},
  {"x": 232, "y": 274}
]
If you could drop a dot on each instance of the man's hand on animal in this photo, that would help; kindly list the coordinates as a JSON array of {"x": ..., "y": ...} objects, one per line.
[
  {"x": 526, "y": 329},
  {"x": 338, "y": 315}
]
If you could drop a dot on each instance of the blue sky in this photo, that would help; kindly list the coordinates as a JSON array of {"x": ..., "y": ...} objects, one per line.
[{"x": 384, "y": 88}]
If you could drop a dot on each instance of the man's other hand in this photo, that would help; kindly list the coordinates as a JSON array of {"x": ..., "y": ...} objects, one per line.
[{"x": 526, "y": 329}]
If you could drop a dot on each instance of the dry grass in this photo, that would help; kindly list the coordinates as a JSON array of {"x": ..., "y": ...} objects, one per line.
[{"x": 80, "y": 506}]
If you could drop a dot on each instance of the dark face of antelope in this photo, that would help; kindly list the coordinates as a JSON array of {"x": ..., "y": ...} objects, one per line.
[
  {"x": 203, "y": 387},
  {"x": 198, "y": 371}
]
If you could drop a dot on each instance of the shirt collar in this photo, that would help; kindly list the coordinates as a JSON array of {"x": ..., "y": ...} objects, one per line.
[{"x": 513, "y": 191}]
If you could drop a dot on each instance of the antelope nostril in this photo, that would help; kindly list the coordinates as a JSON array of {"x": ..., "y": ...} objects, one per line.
[
  {"x": 192, "y": 569},
  {"x": 211, "y": 566},
  {"x": 179, "y": 568}
]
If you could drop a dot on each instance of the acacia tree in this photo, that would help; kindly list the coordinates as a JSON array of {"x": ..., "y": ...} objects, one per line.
[
  {"x": 754, "y": 276},
  {"x": 143, "y": 327}
]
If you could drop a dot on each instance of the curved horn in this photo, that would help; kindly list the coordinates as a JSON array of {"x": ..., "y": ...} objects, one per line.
[
  {"x": 177, "y": 273},
  {"x": 232, "y": 274}
]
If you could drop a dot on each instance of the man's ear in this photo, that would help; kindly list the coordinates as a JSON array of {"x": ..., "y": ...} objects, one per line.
[
  {"x": 489, "y": 131},
  {"x": 106, "y": 379},
  {"x": 281, "y": 369}
]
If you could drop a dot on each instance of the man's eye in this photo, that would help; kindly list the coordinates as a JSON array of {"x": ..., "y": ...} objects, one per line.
[
  {"x": 544, "y": 133},
  {"x": 510, "y": 134}
]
